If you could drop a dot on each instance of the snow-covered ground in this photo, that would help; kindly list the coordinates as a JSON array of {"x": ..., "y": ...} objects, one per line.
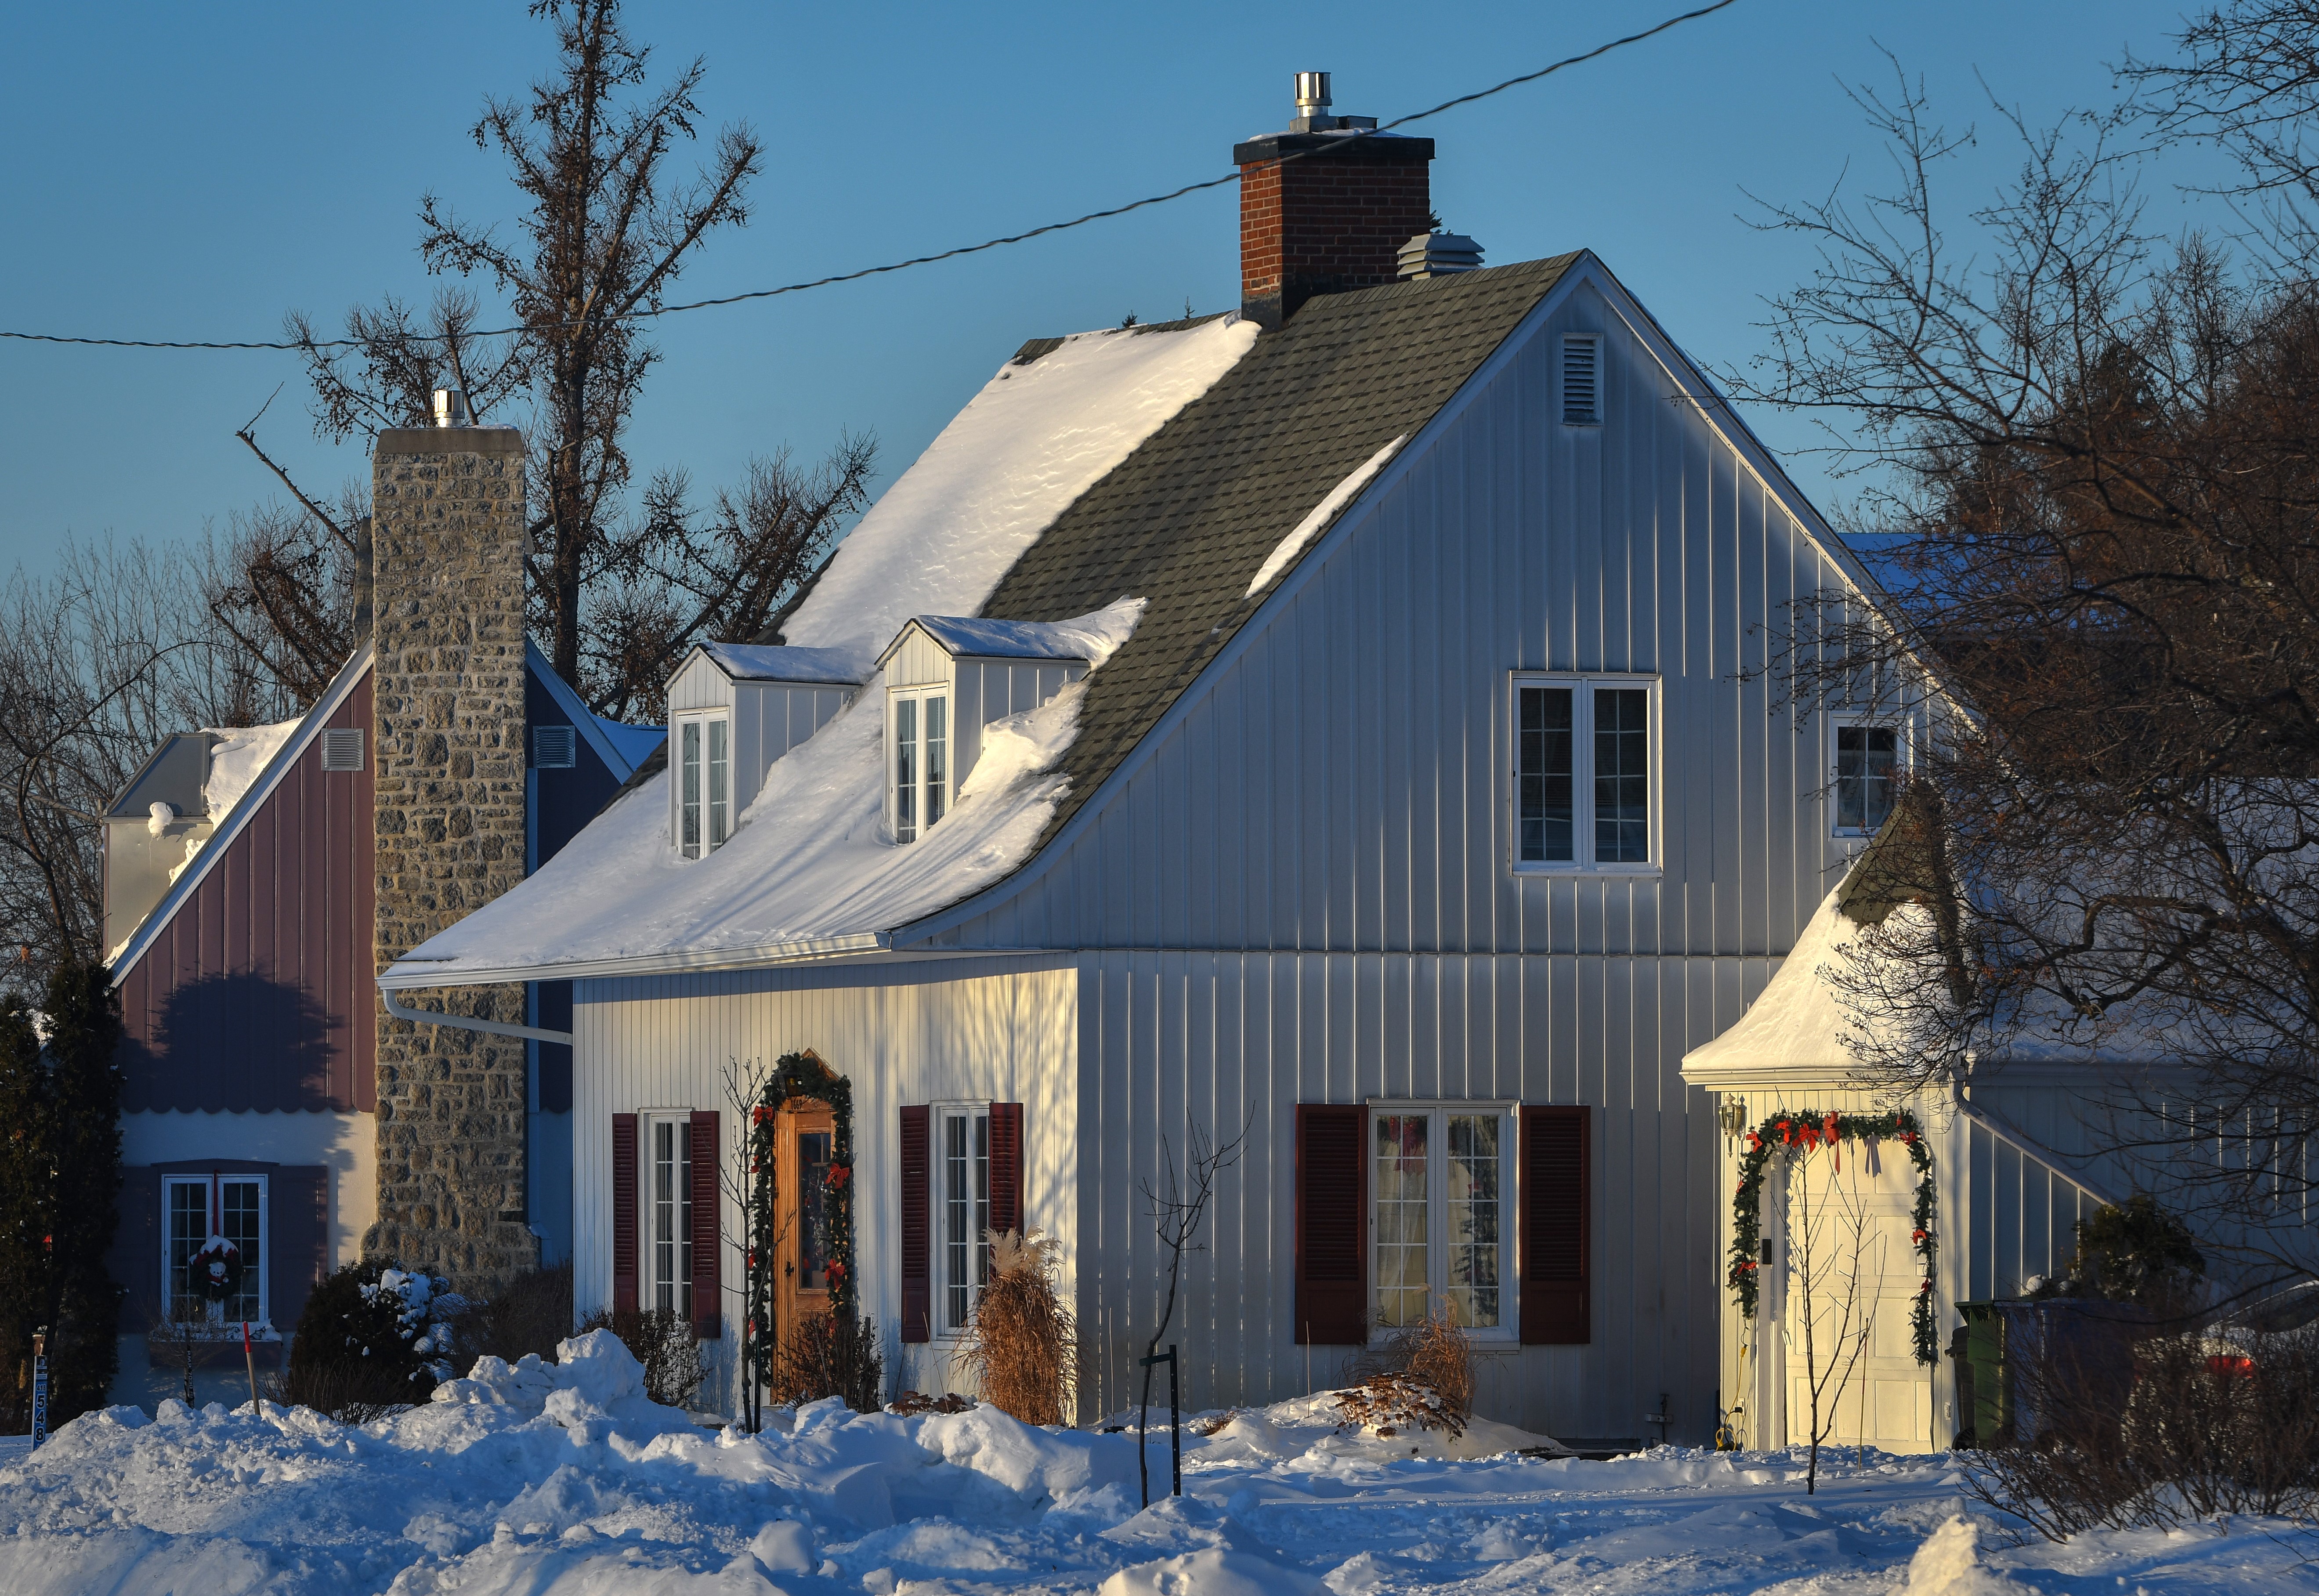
[{"x": 563, "y": 1481}]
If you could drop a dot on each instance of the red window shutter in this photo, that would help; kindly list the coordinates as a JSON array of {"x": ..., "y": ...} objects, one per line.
[
  {"x": 1332, "y": 1225},
  {"x": 624, "y": 1213},
  {"x": 917, "y": 1237},
  {"x": 708, "y": 1231},
  {"x": 1556, "y": 1215},
  {"x": 1006, "y": 1167}
]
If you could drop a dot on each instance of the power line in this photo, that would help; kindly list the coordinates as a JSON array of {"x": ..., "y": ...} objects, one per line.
[{"x": 917, "y": 260}]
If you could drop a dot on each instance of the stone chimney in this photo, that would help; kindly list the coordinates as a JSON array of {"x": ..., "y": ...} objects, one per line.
[
  {"x": 1325, "y": 206},
  {"x": 448, "y": 535}
]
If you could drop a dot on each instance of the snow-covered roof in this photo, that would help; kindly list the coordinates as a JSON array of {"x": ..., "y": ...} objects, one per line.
[
  {"x": 1041, "y": 433},
  {"x": 767, "y": 662},
  {"x": 1793, "y": 1034},
  {"x": 986, "y": 639},
  {"x": 248, "y": 763},
  {"x": 242, "y": 795},
  {"x": 809, "y": 870}
]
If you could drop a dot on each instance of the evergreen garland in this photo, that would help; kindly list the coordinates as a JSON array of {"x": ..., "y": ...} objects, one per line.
[
  {"x": 797, "y": 1076},
  {"x": 1787, "y": 1132}
]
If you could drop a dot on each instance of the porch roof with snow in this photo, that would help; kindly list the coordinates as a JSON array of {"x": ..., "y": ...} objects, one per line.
[{"x": 1192, "y": 465}]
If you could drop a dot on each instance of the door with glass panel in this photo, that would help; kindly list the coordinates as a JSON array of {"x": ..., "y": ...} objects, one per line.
[
  {"x": 1443, "y": 1179},
  {"x": 803, "y": 1137}
]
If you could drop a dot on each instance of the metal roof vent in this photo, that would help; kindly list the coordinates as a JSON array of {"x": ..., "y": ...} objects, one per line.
[
  {"x": 451, "y": 408},
  {"x": 1437, "y": 254},
  {"x": 1313, "y": 109}
]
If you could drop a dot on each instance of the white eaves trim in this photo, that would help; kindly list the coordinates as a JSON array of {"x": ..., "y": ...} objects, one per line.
[
  {"x": 578, "y": 713},
  {"x": 237, "y": 819},
  {"x": 411, "y": 975}
]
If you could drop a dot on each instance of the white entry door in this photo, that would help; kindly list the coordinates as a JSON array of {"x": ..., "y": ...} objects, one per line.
[{"x": 1847, "y": 1232}]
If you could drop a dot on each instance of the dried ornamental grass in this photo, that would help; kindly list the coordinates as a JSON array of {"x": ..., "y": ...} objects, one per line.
[
  {"x": 1021, "y": 1348},
  {"x": 1436, "y": 1352},
  {"x": 1393, "y": 1403}
]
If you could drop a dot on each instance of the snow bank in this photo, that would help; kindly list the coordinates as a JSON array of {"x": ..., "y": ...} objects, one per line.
[
  {"x": 810, "y": 857},
  {"x": 1037, "y": 437},
  {"x": 1949, "y": 1565},
  {"x": 1284, "y": 553},
  {"x": 550, "y": 1479}
]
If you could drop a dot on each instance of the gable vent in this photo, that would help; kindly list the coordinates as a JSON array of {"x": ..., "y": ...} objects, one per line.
[
  {"x": 1581, "y": 380},
  {"x": 342, "y": 748},
  {"x": 554, "y": 747}
]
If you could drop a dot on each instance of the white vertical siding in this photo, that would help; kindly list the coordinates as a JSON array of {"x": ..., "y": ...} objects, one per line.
[
  {"x": 1342, "y": 782},
  {"x": 979, "y": 1029},
  {"x": 1173, "y": 1041},
  {"x": 1323, "y": 828}
]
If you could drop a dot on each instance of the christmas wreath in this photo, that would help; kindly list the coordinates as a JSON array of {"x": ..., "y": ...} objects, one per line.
[
  {"x": 1791, "y": 1134},
  {"x": 797, "y": 1076},
  {"x": 214, "y": 1273}
]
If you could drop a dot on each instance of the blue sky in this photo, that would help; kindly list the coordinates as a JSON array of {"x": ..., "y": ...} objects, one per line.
[{"x": 195, "y": 171}]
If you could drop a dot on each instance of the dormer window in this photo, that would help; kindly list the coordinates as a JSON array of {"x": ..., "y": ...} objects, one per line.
[
  {"x": 921, "y": 741},
  {"x": 947, "y": 677},
  {"x": 704, "y": 805},
  {"x": 734, "y": 709}
]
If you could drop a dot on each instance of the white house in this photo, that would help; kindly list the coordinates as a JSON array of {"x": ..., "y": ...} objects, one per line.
[{"x": 1327, "y": 722}]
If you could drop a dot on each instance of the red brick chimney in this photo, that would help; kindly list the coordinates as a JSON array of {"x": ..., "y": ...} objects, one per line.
[{"x": 1325, "y": 206}]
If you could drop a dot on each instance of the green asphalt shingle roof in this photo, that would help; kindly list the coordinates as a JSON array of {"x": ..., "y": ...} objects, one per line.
[{"x": 1187, "y": 519}]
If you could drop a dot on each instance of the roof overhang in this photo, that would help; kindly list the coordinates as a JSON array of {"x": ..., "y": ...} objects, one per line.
[{"x": 874, "y": 947}]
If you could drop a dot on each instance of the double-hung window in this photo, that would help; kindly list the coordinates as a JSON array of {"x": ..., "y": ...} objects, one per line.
[
  {"x": 1443, "y": 1179},
  {"x": 1868, "y": 771},
  {"x": 704, "y": 783},
  {"x": 961, "y": 1213},
  {"x": 920, "y": 774},
  {"x": 197, "y": 1207},
  {"x": 1586, "y": 774},
  {"x": 668, "y": 1233}
]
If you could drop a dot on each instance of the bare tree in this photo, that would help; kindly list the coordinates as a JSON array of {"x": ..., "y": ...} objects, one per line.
[
  {"x": 98, "y": 661},
  {"x": 2090, "y": 483},
  {"x": 1828, "y": 1248},
  {"x": 1178, "y": 1206},
  {"x": 618, "y": 594}
]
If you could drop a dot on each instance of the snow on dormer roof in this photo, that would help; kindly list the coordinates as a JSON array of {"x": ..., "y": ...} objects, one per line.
[
  {"x": 767, "y": 662},
  {"x": 967, "y": 637}
]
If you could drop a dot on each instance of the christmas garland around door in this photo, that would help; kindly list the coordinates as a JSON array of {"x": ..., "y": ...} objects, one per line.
[
  {"x": 1795, "y": 1134},
  {"x": 797, "y": 1076}
]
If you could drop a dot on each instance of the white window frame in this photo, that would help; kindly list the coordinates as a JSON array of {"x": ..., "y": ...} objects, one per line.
[
  {"x": 715, "y": 829},
  {"x": 940, "y": 1117},
  {"x": 1582, "y": 688},
  {"x": 1903, "y": 759},
  {"x": 265, "y": 1238},
  {"x": 929, "y": 790},
  {"x": 1439, "y": 1109},
  {"x": 649, "y": 1122}
]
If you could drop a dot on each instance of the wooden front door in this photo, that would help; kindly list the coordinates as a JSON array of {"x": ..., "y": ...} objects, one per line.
[{"x": 801, "y": 1256}]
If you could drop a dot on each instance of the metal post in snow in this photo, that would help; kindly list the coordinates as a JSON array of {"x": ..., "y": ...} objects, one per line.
[
  {"x": 249, "y": 1361},
  {"x": 39, "y": 1385},
  {"x": 1175, "y": 1426}
]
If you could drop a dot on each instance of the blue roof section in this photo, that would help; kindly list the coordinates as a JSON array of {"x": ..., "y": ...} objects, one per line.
[
  {"x": 636, "y": 744},
  {"x": 765, "y": 662},
  {"x": 997, "y": 639}
]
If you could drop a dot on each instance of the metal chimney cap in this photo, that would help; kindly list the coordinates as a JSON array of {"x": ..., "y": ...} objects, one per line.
[
  {"x": 1312, "y": 94},
  {"x": 451, "y": 409}
]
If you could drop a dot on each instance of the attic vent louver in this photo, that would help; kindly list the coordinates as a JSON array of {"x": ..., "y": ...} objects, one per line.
[
  {"x": 342, "y": 748},
  {"x": 554, "y": 747},
  {"x": 1437, "y": 254},
  {"x": 1581, "y": 380}
]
